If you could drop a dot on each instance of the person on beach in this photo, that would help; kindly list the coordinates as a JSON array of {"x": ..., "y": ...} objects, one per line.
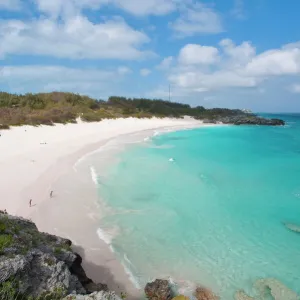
[
  {"x": 51, "y": 194},
  {"x": 30, "y": 202}
]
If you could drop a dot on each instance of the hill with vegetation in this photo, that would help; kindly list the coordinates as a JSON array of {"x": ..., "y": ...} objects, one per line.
[{"x": 58, "y": 107}]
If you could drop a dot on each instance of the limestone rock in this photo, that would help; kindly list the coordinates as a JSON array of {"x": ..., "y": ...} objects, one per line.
[
  {"x": 95, "y": 296},
  {"x": 40, "y": 264},
  {"x": 241, "y": 295},
  {"x": 202, "y": 293},
  {"x": 158, "y": 290}
]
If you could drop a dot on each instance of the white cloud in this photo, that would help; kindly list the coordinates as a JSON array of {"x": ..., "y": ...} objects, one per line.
[
  {"x": 276, "y": 62},
  {"x": 166, "y": 63},
  {"x": 124, "y": 70},
  {"x": 295, "y": 88},
  {"x": 199, "y": 81},
  {"x": 234, "y": 66},
  {"x": 238, "y": 55},
  {"x": 197, "y": 18},
  {"x": 146, "y": 7},
  {"x": 145, "y": 72},
  {"x": 10, "y": 4},
  {"x": 75, "y": 38},
  {"x": 193, "y": 54},
  {"x": 136, "y": 7},
  {"x": 23, "y": 79}
]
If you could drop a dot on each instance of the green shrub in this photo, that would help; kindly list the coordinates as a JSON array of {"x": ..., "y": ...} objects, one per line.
[
  {"x": 57, "y": 294},
  {"x": 5, "y": 241},
  {"x": 4, "y": 126},
  {"x": 91, "y": 117},
  {"x": 2, "y": 226},
  {"x": 8, "y": 291},
  {"x": 58, "y": 250}
]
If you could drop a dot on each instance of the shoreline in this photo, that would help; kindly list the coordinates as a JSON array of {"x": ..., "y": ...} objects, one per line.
[{"x": 37, "y": 169}]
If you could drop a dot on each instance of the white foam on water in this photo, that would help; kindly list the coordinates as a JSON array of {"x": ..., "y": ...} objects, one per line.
[
  {"x": 171, "y": 159},
  {"x": 104, "y": 236},
  {"x": 130, "y": 274},
  {"x": 94, "y": 175}
]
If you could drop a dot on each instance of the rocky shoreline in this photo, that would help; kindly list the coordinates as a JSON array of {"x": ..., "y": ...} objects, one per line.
[
  {"x": 39, "y": 266},
  {"x": 245, "y": 119},
  {"x": 36, "y": 265}
]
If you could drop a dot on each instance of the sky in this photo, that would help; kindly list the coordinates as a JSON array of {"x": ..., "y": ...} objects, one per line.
[{"x": 219, "y": 53}]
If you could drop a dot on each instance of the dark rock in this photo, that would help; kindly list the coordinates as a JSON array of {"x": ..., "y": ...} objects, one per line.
[
  {"x": 95, "y": 287},
  {"x": 250, "y": 120},
  {"x": 158, "y": 290},
  {"x": 40, "y": 263}
]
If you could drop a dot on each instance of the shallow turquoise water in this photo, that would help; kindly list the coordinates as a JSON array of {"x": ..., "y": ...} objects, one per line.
[{"x": 213, "y": 216}]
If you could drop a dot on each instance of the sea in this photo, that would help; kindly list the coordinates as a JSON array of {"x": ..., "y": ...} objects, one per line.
[{"x": 207, "y": 206}]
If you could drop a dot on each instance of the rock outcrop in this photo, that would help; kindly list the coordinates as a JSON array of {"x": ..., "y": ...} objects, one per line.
[
  {"x": 249, "y": 120},
  {"x": 33, "y": 263},
  {"x": 202, "y": 293},
  {"x": 158, "y": 290},
  {"x": 94, "y": 296}
]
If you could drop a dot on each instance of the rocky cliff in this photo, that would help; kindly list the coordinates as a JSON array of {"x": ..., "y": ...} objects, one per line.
[{"x": 34, "y": 264}]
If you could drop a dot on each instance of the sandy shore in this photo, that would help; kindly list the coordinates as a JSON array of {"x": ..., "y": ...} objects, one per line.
[{"x": 36, "y": 160}]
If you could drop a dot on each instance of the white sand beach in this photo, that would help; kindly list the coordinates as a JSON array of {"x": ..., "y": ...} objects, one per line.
[{"x": 33, "y": 159}]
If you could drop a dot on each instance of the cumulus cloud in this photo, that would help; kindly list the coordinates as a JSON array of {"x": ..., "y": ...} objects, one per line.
[
  {"x": 193, "y": 54},
  {"x": 276, "y": 62},
  {"x": 237, "y": 55},
  {"x": 49, "y": 78},
  {"x": 145, "y": 72},
  {"x": 197, "y": 18},
  {"x": 166, "y": 63},
  {"x": 234, "y": 66},
  {"x": 76, "y": 38}
]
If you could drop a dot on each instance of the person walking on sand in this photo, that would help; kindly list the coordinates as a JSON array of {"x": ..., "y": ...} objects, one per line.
[
  {"x": 30, "y": 202},
  {"x": 51, "y": 194}
]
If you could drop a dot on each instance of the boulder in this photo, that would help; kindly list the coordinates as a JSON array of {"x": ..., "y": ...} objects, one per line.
[
  {"x": 158, "y": 290},
  {"x": 202, "y": 293}
]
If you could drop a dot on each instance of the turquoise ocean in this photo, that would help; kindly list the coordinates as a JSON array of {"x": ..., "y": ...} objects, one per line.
[{"x": 208, "y": 206}]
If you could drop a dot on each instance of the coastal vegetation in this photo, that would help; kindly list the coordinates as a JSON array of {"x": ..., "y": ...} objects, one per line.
[{"x": 59, "y": 107}]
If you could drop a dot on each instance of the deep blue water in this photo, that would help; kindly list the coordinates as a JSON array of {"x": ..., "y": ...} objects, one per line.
[{"x": 216, "y": 214}]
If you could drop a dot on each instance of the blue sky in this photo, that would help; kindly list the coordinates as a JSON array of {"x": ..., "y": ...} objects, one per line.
[{"x": 234, "y": 53}]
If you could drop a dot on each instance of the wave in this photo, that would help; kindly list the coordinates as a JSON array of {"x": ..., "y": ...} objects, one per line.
[
  {"x": 94, "y": 175},
  {"x": 104, "y": 236},
  {"x": 128, "y": 271}
]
